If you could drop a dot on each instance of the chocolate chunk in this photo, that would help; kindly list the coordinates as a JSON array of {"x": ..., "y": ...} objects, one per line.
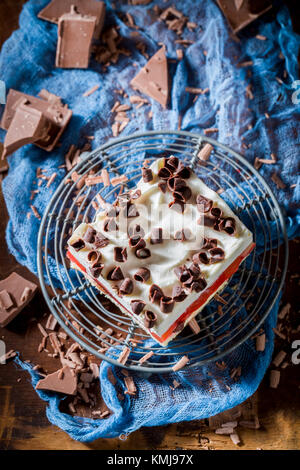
[
  {"x": 143, "y": 253},
  {"x": 137, "y": 242},
  {"x": 116, "y": 274},
  {"x": 109, "y": 225},
  {"x": 164, "y": 173},
  {"x": 57, "y": 8},
  {"x": 120, "y": 254},
  {"x": 167, "y": 304},
  {"x": 203, "y": 204},
  {"x": 156, "y": 236},
  {"x": 162, "y": 186},
  {"x": 136, "y": 230},
  {"x": 100, "y": 240},
  {"x": 177, "y": 206},
  {"x": 96, "y": 269},
  {"x": 153, "y": 79},
  {"x": 126, "y": 287},
  {"x": 62, "y": 381},
  {"x": 89, "y": 235},
  {"x": 147, "y": 175},
  {"x": 15, "y": 293},
  {"x": 155, "y": 293},
  {"x": 183, "y": 194},
  {"x": 228, "y": 225},
  {"x": 150, "y": 319},
  {"x": 183, "y": 171},
  {"x": 142, "y": 275},
  {"x": 94, "y": 256},
  {"x": 217, "y": 254},
  {"x": 75, "y": 34},
  {"x": 201, "y": 257},
  {"x": 56, "y": 117},
  {"x": 137, "y": 306},
  {"x": 178, "y": 294},
  {"x": 240, "y": 13},
  {"x": 78, "y": 244}
]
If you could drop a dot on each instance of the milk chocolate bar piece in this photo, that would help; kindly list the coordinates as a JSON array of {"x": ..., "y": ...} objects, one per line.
[
  {"x": 153, "y": 78},
  {"x": 15, "y": 293},
  {"x": 240, "y": 13},
  {"x": 54, "y": 120},
  {"x": 57, "y": 8},
  {"x": 61, "y": 381},
  {"x": 75, "y": 34}
]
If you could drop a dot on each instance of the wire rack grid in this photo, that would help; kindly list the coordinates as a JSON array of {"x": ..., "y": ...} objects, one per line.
[{"x": 95, "y": 323}]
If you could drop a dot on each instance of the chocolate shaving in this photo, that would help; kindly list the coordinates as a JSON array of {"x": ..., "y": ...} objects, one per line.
[
  {"x": 183, "y": 194},
  {"x": 178, "y": 294},
  {"x": 137, "y": 230},
  {"x": 164, "y": 173},
  {"x": 177, "y": 206},
  {"x": 162, "y": 186},
  {"x": 217, "y": 254},
  {"x": 96, "y": 269},
  {"x": 156, "y": 236},
  {"x": 137, "y": 306},
  {"x": 203, "y": 204},
  {"x": 209, "y": 243},
  {"x": 109, "y": 225},
  {"x": 216, "y": 212},
  {"x": 78, "y": 244},
  {"x": 176, "y": 183},
  {"x": 155, "y": 293},
  {"x": 142, "y": 275},
  {"x": 94, "y": 256},
  {"x": 166, "y": 304},
  {"x": 147, "y": 175},
  {"x": 201, "y": 257},
  {"x": 183, "y": 171},
  {"x": 183, "y": 235},
  {"x": 228, "y": 225},
  {"x": 137, "y": 242},
  {"x": 120, "y": 254},
  {"x": 126, "y": 287},
  {"x": 100, "y": 240},
  {"x": 198, "y": 285},
  {"x": 143, "y": 253},
  {"x": 89, "y": 235},
  {"x": 149, "y": 319},
  {"x": 131, "y": 211},
  {"x": 115, "y": 274}
]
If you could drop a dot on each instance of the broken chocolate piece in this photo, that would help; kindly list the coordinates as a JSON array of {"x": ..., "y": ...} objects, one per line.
[
  {"x": 89, "y": 235},
  {"x": 153, "y": 79},
  {"x": 120, "y": 254},
  {"x": 143, "y": 253},
  {"x": 61, "y": 381},
  {"x": 155, "y": 293},
  {"x": 126, "y": 287},
  {"x": 240, "y": 14},
  {"x": 137, "y": 306},
  {"x": 57, "y": 8},
  {"x": 142, "y": 275},
  {"x": 78, "y": 244},
  {"x": 147, "y": 175},
  {"x": 178, "y": 294},
  {"x": 167, "y": 304},
  {"x": 156, "y": 236},
  {"x": 150, "y": 319},
  {"x": 75, "y": 34}
]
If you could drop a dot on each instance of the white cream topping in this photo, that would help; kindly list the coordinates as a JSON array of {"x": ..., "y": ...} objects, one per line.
[{"x": 155, "y": 213}]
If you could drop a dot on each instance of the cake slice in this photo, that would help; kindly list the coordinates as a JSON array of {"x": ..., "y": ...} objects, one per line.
[{"x": 163, "y": 250}]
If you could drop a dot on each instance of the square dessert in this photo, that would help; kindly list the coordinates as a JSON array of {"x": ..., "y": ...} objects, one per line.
[{"x": 162, "y": 251}]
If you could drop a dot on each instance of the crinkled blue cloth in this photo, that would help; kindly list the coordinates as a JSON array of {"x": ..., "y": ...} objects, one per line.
[{"x": 266, "y": 124}]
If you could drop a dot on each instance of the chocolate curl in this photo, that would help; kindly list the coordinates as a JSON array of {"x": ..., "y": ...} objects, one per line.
[
  {"x": 201, "y": 257},
  {"x": 155, "y": 293},
  {"x": 120, "y": 254},
  {"x": 116, "y": 274},
  {"x": 100, "y": 241},
  {"x": 143, "y": 253},
  {"x": 216, "y": 212},
  {"x": 150, "y": 319},
  {"x": 142, "y": 275},
  {"x": 175, "y": 183},
  {"x": 109, "y": 225},
  {"x": 178, "y": 294},
  {"x": 137, "y": 242},
  {"x": 96, "y": 269},
  {"x": 195, "y": 271},
  {"x": 209, "y": 243},
  {"x": 198, "y": 285},
  {"x": 78, "y": 244},
  {"x": 186, "y": 277},
  {"x": 183, "y": 171},
  {"x": 217, "y": 254},
  {"x": 137, "y": 306},
  {"x": 162, "y": 186},
  {"x": 177, "y": 206},
  {"x": 183, "y": 194},
  {"x": 94, "y": 256},
  {"x": 89, "y": 235},
  {"x": 164, "y": 173},
  {"x": 228, "y": 225},
  {"x": 137, "y": 230},
  {"x": 147, "y": 175},
  {"x": 171, "y": 163},
  {"x": 166, "y": 304},
  {"x": 126, "y": 287},
  {"x": 131, "y": 211},
  {"x": 156, "y": 236},
  {"x": 203, "y": 204}
]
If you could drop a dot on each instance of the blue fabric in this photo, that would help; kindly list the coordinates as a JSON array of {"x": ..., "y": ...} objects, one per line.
[{"x": 27, "y": 64}]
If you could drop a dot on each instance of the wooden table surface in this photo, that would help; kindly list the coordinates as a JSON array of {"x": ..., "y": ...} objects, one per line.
[{"x": 23, "y": 422}]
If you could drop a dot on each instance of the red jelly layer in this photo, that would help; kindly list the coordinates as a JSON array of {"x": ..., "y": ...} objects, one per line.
[{"x": 194, "y": 306}]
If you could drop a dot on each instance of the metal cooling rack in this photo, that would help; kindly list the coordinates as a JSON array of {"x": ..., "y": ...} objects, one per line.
[{"x": 250, "y": 294}]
